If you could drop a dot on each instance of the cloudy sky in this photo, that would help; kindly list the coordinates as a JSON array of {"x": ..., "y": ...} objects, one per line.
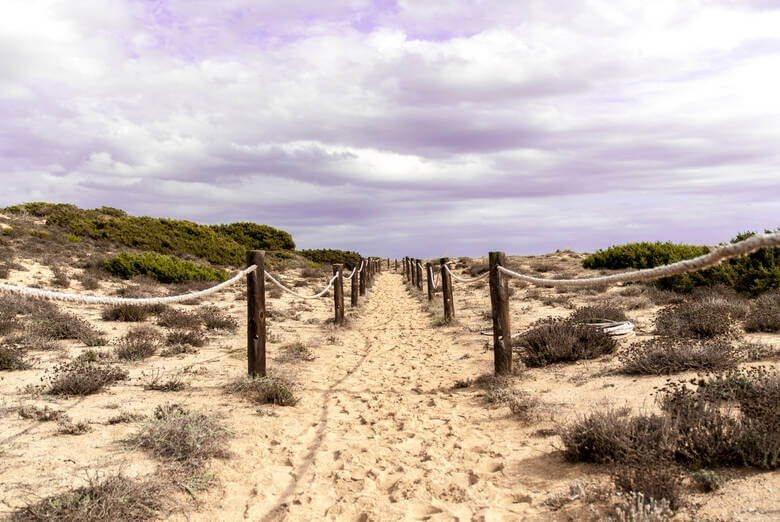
[{"x": 402, "y": 127}]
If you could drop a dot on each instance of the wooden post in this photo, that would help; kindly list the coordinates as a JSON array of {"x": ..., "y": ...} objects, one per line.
[
  {"x": 406, "y": 268},
  {"x": 429, "y": 275},
  {"x": 413, "y": 271},
  {"x": 353, "y": 291},
  {"x": 388, "y": 263},
  {"x": 363, "y": 276},
  {"x": 396, "y": 265},
  {"x": 338, "y": 294},
  {"x": 446, "y": 290},
  {"x": 255, "y": 304},
  {"x": 499, "y": 301},
  {"x": 418, "y": 264}
]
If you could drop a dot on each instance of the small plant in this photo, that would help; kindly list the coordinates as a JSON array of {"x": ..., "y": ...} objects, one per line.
[
  {"x": 636, "y": 508},
  {"x": 555, "y": 340},
  {"x": 12, "y": 359},
  {"x": 694, "y": 319},
  {"x": 707, "y": 480},
  {"x": 139, "y": 343},
  {"x": 173, "y": 318},
  {"x": 598, "y": 314},
  {"x": 664, "y": 356},
  {"x": 112, "y": 498},
  {"x": 127, "y": 313},
  {"x": 265, "y": 390},
  {"x": 523, "y": 406},
  {"x": 295, "y": 351},
  {"x": 61, "y": 278},
  {"x": 181, "y": 436},
  {"x": 44, "y": 414},
  {"x": 186, "y": 337},
  {"x": 159, "y": 382},
  {"x": 124, "y": 417},
  {"x": 764, "y": 314},
  {"x": 177, "y": 349},
  {"x": 53, "y": 324},
  {"x": 215, "y": 319},
  {"x": 66, "y": 426},
  {"x": 463, "y": 383},
  {"x": 80, "y": 378}
]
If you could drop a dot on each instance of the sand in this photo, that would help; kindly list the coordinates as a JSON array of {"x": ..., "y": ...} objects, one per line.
[{"x": 380, "y": 432}]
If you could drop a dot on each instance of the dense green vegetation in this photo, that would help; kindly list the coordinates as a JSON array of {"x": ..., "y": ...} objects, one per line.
[
  {"x": 331, "y": 255},
  {"x": 256, "y": 237},
  {"x": 166, "y": 269},
  {"x": 753, "y": 274},
  {"x": 642, "y": 255},
  {"x": 221, "y": 244}
]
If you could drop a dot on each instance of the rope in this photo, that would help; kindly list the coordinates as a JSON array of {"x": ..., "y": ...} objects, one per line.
[
  {"x": 296, "y": 294},
  {"x": 94, "y": 299},
  {"x": 356, "y": 269},
  {"x": 462, "y": 280},
  {"x": 747, "y": 246}
]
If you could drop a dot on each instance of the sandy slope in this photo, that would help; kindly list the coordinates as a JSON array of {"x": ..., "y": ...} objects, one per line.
[{"x": 380, "y": 434}]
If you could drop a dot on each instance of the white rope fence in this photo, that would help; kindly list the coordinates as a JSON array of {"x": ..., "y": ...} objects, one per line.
[
  {"x": 463, "y": 280},
  {"x": 296, "y": 294},
  {"x": 354, "y": 271},
  {"x": 94, "y": 299},
  {"x": 747, "y": 246}
]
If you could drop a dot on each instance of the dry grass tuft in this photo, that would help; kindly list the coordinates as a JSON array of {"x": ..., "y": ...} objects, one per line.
[
  {"x": 45, "y": 414},
  {"x": 173, "y": 318},
  {"x": 12, "y": 359},
  {"x": 764, "y": 314},
  {"x": 215, "y": 319},
  {"x": 695, "y": 319},
  {"x": 181, "y": 436},
  {"x": 265, "y": 390},
  {"x": 664, "y": 356},
  {"x": 556, "y": 340},
  {"x": 113, "y": 498},
  {"x": 139, "y": 343},
  {"x": 598, "y": 313},
  {"x": 127, "y": 312},
  {"x": 295, "y": 352},
  {"x": 193, "y": 337},
  {"x": 81, "y": 378}
]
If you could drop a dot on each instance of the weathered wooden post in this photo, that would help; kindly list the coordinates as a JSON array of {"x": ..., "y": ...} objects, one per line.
[
  {"x": 363, "y": 270},
  {"x": 407, "y": 277},
  {"x": 353, "y": 289},
  {"x": 388, "y": 263},
  {"x": 429, "y": 275},
  {"x": 338, "y": 294},
  {"x": 413, "y": 271},
  {"x": 396, "y": 265},
  {"x": 499, "y": 301},
  {"x": 446, "y": 290},
  {"x": 418, "y": 264},
  {"x": 255, "y": 293}
]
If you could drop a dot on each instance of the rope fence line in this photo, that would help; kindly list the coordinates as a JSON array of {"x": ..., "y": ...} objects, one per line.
[
  {"x": 105, "y": 300},
  {"x": 499, "y": 277},
  {"x": 296, "y": 294},
  {"x": 465, "y": 280}
]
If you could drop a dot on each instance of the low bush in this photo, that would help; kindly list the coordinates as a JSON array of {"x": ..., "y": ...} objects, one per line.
[
  {"x": 66, "y": 426},
  {"x": 182, "y": 436},
  {"x": 12, "y": 359},
  {"x": 61, "y": 278},
  {"x": 665, "y": 356},
  {"x": 265, "y": 390},
  {"x": 215, "y": 319},
  {"x": 332, "y": 256},
  {"x": 165, "y": 269},
  {"x": 127, "y": 312},
  {"x": 45, "y": 414},
  {"x": 642, "y": 255},
  {"x": 555, "y": 340},
  {"x": 173, "y": 318},
  {"x": 139, "y": 343},
  {"x": 113, "y": 498},
  {"x": 50, "y": 323},
  {"x": 694, "y": 319},
  {"x": 295, "y": 352},
  {"x": 478, "y": 269},
  {"x": 81, "y": 378},
  {"x": 598, "y": 313},
  {"x": 764, "y": 314},
  {"x": 192, "y": 337}
]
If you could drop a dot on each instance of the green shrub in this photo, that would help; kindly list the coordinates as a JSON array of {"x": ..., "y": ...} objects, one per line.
[
  {"x": 256, "y": 237},
  {"x": 642, "y": 255},
  {"x": 166, "y": 269},
  {"x": 331, "y": 256}
]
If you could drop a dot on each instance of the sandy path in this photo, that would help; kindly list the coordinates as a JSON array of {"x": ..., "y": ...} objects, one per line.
[{"x": 380, "y": 434}]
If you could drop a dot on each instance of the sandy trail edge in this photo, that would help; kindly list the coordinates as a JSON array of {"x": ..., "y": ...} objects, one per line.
[{"x": 381, "y": 434}]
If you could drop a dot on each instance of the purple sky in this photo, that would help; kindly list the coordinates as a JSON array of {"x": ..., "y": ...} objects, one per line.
[{"x": 411, "y": 127}]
